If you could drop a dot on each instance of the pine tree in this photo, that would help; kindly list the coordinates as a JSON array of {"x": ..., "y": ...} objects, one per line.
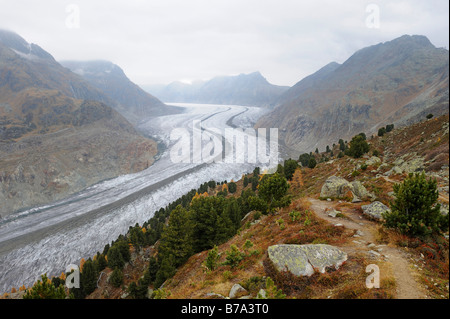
[
  {"x": 232, "y": 187},
  {"x": 245, "y": 181},
  {"x": 358, "y": 146},
  {"x": 289, "y": 168},
  {"x": 166, "y": 270},
  {"x": 116, "y": 278},
  {"x": 312, "y": 162},
  {"x": 204, "y": 223},
  {"x": 176, "y": 239},
  {"x": 44, "y": 289},
  {"x": 273, "y": 191},
  {"x": 212, "y": 259},
  {"x": 234, "y": 257},
  {"x": 88, "y": 278},
  {"x": 304, "y": 159},
  {"x": 415, "y": 211}
]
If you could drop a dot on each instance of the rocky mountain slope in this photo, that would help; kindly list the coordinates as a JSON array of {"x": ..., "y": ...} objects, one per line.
[
  {"x": 397, "y": 81},
  {"x": 317, "y": 247},
  {"x": 244, "y": 89},
  {"x": 132, "y": 102},
  {"x": 58, "y": 133}
]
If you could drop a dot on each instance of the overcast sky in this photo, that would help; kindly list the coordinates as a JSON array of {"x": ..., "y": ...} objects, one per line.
[{"x": 160, "y": 41}]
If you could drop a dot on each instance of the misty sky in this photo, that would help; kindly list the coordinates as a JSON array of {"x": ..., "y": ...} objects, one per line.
[{"x": 160, "y": 41}]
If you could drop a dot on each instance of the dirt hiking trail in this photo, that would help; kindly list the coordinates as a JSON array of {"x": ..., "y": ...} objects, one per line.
[{"x": 364, "y": 243}]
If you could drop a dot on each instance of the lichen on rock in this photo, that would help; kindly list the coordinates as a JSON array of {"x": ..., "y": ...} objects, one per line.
[{"x": 304, "y": 260}]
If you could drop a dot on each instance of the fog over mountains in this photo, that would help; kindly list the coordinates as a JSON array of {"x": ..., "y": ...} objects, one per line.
[{"x": 243, "y": 89}]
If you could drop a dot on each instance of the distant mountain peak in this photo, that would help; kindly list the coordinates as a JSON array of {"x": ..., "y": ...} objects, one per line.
[{"x": 19, "y": 45}]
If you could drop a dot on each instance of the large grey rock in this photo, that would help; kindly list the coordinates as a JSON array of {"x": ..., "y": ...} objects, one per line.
[
  {"x": 375, "y": 210},
  {"x": 338, "y": 187},
  {"x": 237, "y": 291},
  {"x": 334, "y": 187},
  {"x": 373, "y": 161},
  {"x": 302, "y": 260},
  {"x": 359, "y": 190}
]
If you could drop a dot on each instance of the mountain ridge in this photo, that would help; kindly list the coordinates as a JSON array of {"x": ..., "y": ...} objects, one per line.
[
  {"x": 58, "y": 134},
  {"x": 394, "y": 81},
  {"x": 244, "y": 89},
  {"x": 133, "y": 102}
]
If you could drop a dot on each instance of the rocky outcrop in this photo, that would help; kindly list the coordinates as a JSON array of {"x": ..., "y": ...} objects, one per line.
[
  {"x": 338, "y": 187},
  {"x": 304, "y": 260},
  {"x": 375, "y": 210},
  {"x": 373, "y": 161},
  {"x": 401, "y": 165}
]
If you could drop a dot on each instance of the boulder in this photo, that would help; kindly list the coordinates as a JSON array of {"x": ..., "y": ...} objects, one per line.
[
  {"x": 338, "y": 187},
  {"x": 212, "y": 295},
  {"x": 373, "y": 161},
  {"x": 303, "y": 260},
  {"x": 375, "y": 209},
  {"x": 359, "y": 190},
  {"x": 334, "y": 187},
  {"x": 237, "y": 291}
]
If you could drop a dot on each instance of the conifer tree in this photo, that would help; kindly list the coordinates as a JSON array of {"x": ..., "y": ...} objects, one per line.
[
  {"x": 176, "y": 239},
  {"x": 44, "y": 289},
  {"x": 416, "y": 211},
  {"x": 289, "y": 168},
  {"x": 116, "y": 278},
  {"x": 88, "y": 278},
  {"x": 166, "y": 270}
]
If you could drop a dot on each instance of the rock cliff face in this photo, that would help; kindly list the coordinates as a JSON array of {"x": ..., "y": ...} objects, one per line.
[
  {"x": 394, "y": 82},
  {"x": 57, "y": 134}
]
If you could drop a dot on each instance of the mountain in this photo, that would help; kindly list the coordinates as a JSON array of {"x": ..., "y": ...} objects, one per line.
[
  {"x": 58, "y": 133},
  {"x": 133, "y": 102},
  {"x": 244, "y": 89},
  {"x": 331, "y": 210},
  {"x": 398, "y": 82}
]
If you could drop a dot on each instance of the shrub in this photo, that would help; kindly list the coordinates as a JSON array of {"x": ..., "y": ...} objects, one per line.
[
  {"x": 161, "y": 293},
  {"x": 356, "y": 173},
  {"x": 234, "y": 257},
  {"x": 272, "y": 292},
  {"x": 212, "y": 259},
  {"x": 415, "y": 211},
  {"x": 295, "y": 215},
  {"x": 280, "y": 223}
]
